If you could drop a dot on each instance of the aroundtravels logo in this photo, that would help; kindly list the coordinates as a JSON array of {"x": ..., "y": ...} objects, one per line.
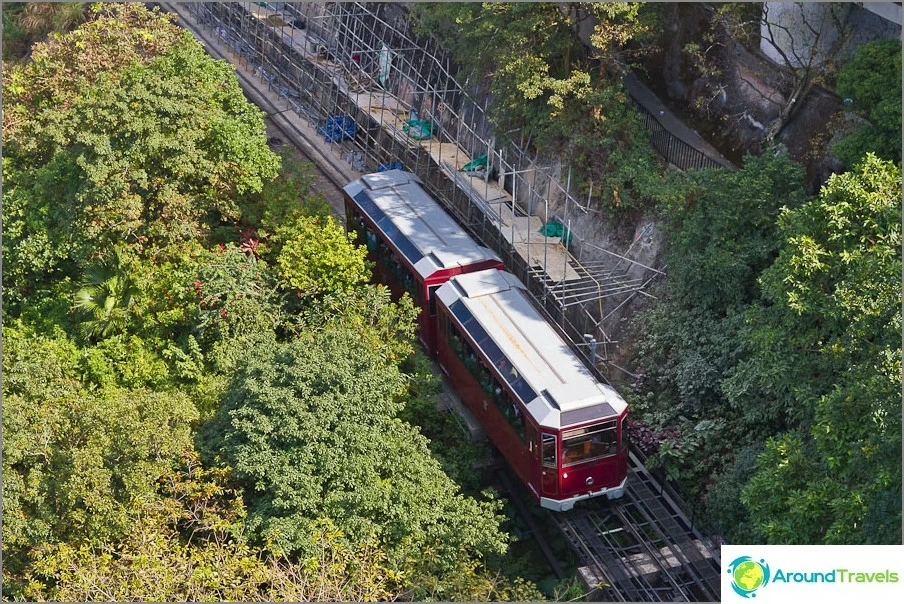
[
  {"x": 817, "y": 573},
  {"x": 748, "y": 575}
]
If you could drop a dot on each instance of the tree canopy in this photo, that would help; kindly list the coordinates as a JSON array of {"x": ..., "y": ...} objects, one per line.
[
  {"x": 310, "y": 429},
  {"x": 716, "y": 251},
  {"x": 776, "y": 351},
  {"x": 319, "y": 259},
  {"x": 167, "y": 275},
  {"x": 871, "y": 81},
  {"x": 123, "y": 130},
  {"x": 76, "y": 459},
  {"x": 189, "y": 546},
  {"x": 829, "y": 346}
]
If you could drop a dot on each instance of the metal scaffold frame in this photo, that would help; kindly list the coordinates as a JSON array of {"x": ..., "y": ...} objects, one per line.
[{"x": 341, "y": 60}]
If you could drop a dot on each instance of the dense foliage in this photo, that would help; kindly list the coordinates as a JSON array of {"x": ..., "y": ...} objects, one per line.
[
  {"x": 777, "y": 351},
  {"x": 310, "y": 429},
  {"x": 167, "y": 276},
  {"x": 134, "y": 134},
  {"x": 872, "y": 82},
  {"x": 558, "y": 85},
  {"x": 826, "y": 352},
  {"x": 25, "y": 23},
  {"x": 691, "y": 340},
  {"x": 188, "y": 546}
]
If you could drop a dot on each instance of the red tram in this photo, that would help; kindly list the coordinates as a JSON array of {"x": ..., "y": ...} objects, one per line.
[
  {"x": 415, "y": 245},
  {"x": 558, "y": 427}
]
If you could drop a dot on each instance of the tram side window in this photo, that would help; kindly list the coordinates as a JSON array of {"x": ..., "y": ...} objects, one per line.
[
  {"x": 487, "y": 380},
  {"x": 390, "y": 261},
  {"x": 464, "y": 352},
  {"x": 357, "y": 225},
  {"x": 373, "y": 242},
  {"x": 455, "y": 340},
  {"x": 507, "y": 407},
  {"x": 548, "y": 450},
  {"x": 593, "y": 442}
]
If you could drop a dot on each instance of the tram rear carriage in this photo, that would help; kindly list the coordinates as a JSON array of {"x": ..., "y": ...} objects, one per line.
[
  {"x": 415, "y": 245},
  {"x": 558, "y": 427}
]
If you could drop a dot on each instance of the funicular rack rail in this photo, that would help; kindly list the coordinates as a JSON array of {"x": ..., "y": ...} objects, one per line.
[{"x": 641, "y": 548}]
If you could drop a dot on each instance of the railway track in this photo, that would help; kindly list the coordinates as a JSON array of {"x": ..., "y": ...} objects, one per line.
[{"x": 642, "y": 548}]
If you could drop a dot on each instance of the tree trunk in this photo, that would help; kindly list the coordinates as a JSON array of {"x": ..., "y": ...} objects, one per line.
[{"x": 671, "y": 56}]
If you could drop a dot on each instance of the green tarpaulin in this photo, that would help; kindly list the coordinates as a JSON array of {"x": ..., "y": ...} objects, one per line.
[
  {"x": 419, "y": 130},
  {"x": 475, "y": 165},
  {"x": 554, "y": 228}
]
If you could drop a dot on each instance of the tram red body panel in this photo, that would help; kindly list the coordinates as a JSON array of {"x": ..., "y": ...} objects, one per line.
[
  {"x": 557, "y": 426},
  {"x": 559, "y": 429},
  {"x": 485, "y": 412}
]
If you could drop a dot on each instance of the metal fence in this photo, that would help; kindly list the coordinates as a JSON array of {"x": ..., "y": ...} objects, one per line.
[{"x": 675, "y": 150}]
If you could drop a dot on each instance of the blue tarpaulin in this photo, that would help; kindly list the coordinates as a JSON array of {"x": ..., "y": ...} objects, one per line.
[
  {"x": 393, "y": 165},
  {"x": 338, "y": 129}
]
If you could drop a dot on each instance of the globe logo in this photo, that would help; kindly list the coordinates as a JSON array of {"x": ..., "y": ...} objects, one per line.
[{"x": 748, "y": 575}]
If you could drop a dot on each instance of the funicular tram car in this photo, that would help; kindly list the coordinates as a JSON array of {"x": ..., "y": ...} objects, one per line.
[
  {"x": 415, "y": 245},
  {"x": 557, "y": 426}
]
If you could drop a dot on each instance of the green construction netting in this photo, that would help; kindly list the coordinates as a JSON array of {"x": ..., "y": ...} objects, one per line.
[{"x": 554, "y": 228}]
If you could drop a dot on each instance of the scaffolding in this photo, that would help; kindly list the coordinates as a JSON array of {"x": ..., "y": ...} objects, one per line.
[{"x": 339, "y": 61}]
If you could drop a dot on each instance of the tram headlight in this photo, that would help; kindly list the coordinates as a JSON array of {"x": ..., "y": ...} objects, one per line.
[
  {"x": 564, "y": 474},
  {"x": 589, "y": 480}
]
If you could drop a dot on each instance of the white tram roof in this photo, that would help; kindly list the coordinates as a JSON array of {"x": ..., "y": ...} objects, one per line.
[
  {"x": 423, "y": 232},
  {"x": 558, "y": 389}
]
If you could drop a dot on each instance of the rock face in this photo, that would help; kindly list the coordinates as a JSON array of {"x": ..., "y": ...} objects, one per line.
[
  {"x": 744, "y": 95},
  {"x": 802, "y": 34}
]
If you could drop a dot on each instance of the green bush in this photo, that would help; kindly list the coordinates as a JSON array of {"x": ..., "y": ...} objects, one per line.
[{"x": 872, "y": 80}]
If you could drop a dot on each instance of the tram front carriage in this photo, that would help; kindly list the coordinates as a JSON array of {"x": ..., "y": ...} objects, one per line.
[
  {"x": 557, "y": 426},
  {"x": 414, "y": 244}
]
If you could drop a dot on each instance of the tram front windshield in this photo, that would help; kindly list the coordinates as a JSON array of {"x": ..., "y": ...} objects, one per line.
[{"x": 589, "y": 443}]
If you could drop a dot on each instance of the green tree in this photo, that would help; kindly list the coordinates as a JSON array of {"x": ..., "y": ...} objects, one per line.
[
  {"x": 317, "y": 258},
  {"x": 270, "y": 214},
  {"x": 235, "y": 295},
  {"x": 310, "y": 431},
  {"x": 826, "y": 351},
  {"x": 123, "y": 130},
  {"x": 104, "y": 299},
  {"x": 125, "y": 362},
  {"x": 75, "y": 459},
  {"x": 188, "y": 545},
  {"x": 385, "y": 327},
  {"x": 872, "y": 80},
  {"x": 722, "y": 235}
]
